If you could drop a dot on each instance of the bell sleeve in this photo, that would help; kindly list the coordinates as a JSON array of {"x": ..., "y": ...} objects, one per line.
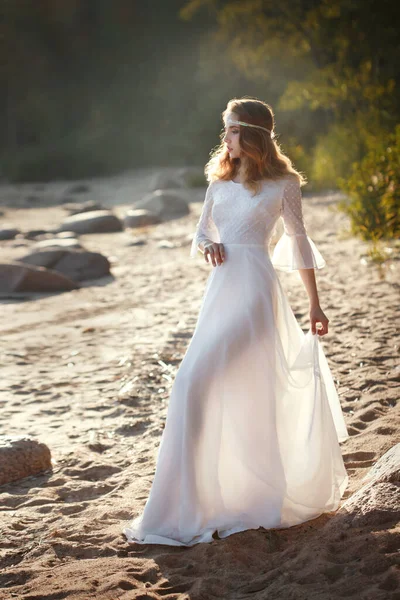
[
  {"x": 206, "y": 230},
  {"x": 294, "y": 249}
]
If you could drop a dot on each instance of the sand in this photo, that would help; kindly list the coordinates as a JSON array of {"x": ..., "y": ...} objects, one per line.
[{"x": 89, "y": 372}]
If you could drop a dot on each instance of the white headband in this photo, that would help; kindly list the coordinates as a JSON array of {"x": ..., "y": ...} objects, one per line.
[{"x": 234, "y": 122}]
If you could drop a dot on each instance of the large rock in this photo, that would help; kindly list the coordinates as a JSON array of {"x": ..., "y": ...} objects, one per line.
[
  {"x": 378, "y": 501},
  {"x": 9, "y": 233},
  {"x": 18, "y": 277},
  {"x": 140, "y": 218},
  {"x": 78, "y": 265},
  {"x": 192, "y": 177},
  {"x": 97, "y": 221},
  {"x": 164, "y": 204},
  {"x": 387, "y": 468},
  {"x": 43, "y": 258},
  {"x": 22, "y": 456}
]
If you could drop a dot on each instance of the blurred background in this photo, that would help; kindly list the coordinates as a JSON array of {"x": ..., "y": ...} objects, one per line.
[{"x": 94, "y": 87}]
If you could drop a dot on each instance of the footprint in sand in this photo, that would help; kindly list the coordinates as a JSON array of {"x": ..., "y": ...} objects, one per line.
[
  {"x": 370, "y": 415},
  {"x": 359, "y": 459},
  {"x": 72, "y": 509},
  {"x": 94, "y": 473},
  {"x": 89, "y": 492}
]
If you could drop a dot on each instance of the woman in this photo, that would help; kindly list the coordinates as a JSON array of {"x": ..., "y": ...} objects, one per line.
[{"x": 254, "y": 421}]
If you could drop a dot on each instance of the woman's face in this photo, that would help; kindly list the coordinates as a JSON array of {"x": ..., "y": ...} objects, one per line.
[{"x": 231, "y": 137}]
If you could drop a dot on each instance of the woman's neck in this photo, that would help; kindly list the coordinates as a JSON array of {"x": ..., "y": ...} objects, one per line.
[{"x": 239, "y": 177}]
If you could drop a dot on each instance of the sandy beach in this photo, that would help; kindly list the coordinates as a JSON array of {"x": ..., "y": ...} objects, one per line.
[{"x": 88, "y": 372}]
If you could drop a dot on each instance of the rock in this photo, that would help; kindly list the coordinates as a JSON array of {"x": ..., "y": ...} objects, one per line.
[
  {"x": 378, "y": 501},
  {"x": 97, "y": 221},
  {"x": 33, "y": 233},
  {"x": 165, "y": 181},
  {"x": 9, "y": 233},
  {"x": 164, "y": 204},
  {"x": 192, "y": 177},
  {"x": 78, "y": 188},
  {"x": 76, "y": 208},
  {"x": 387, "y": 468},
  {"x": 43, "y": 258},
  {"x": 373, "y": 505},
  {"x": 140, "y": 217},
  {"x": 76, "y": 264},
  {"x": 58, "y": 243},
  {"x": 83, "y": 265},
  {"x": 17, "y": 277},
  {"x": 22, "y": 456}
]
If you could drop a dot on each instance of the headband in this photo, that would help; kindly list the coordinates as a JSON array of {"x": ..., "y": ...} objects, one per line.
[{"x": 234, "y": 122}]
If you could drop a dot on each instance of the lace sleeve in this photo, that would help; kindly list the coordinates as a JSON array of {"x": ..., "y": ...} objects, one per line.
[
  {"x": 295, "y": 250},
  {"x": 205, "y": 228}
]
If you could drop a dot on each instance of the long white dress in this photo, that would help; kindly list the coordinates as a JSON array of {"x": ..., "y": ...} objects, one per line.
[{"x": 254, "y": 421}]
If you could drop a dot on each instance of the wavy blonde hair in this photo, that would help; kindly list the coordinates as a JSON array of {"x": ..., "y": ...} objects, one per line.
[{"x": 263, "y": 157}]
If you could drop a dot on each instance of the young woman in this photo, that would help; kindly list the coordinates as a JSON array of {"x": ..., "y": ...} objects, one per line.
[{"x": 254, "y": 421}]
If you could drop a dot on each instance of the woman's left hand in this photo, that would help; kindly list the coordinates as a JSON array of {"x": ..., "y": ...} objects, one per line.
[{"x": 317, "y": 315}]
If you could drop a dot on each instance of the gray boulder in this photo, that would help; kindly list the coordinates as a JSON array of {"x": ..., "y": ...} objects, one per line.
[
  {"x": 387, "y": 468},
  {"x": 76, "y": 264},
  {"x": 140, "y": 217},
  {"x": 192, "y": 177},
  {"x": 164, "y": 204},
  {"x": 9, "y": 233},
  {"x": 97, "y": 221},
  {"x": 21, "y": 456},
  {"x": 377, "y": 502},
  {"x": 18, "y": 277}
]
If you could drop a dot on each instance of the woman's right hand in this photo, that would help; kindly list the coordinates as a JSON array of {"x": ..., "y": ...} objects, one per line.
[{"x": 215, "y": 251}]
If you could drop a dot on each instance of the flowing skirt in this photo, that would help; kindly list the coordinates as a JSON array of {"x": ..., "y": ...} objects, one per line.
[{"x": 254, "y": 420}]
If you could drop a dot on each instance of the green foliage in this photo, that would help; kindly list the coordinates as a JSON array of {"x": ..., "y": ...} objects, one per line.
[
  {"x": 333, "y": 155},
  {"x": 373, "y": 190}
]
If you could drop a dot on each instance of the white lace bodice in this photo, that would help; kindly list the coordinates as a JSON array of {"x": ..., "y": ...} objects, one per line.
[{"x": 231, "y": 214}]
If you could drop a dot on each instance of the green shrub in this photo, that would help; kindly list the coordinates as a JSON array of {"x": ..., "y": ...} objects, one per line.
[
  {"x": 333, "y": 154},
  {"x": 373, "y": 190}
]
